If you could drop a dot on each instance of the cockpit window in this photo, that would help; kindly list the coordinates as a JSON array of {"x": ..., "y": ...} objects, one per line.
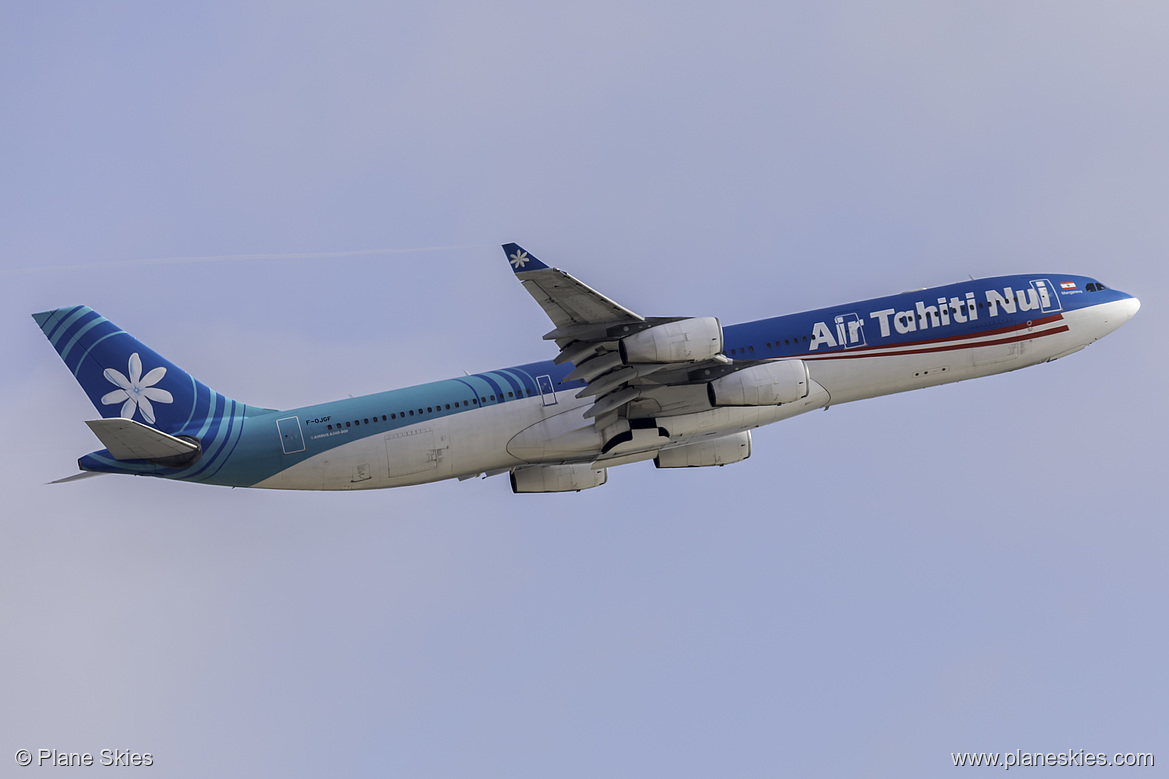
[{"x": 1095, "y": 286}]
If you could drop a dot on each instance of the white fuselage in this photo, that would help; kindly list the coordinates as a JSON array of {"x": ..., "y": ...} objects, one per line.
[{"x": 532, "y": 430}]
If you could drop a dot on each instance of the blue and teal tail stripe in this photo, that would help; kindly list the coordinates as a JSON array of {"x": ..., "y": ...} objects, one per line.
[{"x": 124, "y": 377}]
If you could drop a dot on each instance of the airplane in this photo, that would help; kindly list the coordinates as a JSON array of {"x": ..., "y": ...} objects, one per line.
[{"x": 682, "y": 391}]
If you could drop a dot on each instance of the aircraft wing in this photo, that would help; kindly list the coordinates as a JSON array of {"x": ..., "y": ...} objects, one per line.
[
  {"x": 576, "y": 309},
  {"x": 592, "y": 331}
]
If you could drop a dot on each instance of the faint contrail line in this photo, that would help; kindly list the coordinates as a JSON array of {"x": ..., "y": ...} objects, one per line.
[{"x": 235, "y": 258}]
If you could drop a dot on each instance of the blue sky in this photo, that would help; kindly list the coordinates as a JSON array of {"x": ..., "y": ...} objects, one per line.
[{"x": 977, "y": 567}]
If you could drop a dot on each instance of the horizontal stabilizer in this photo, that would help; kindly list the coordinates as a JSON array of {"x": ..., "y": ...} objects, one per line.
[
  {"x": 77, "y": 477},
  {"x": 130, "y": 440}
]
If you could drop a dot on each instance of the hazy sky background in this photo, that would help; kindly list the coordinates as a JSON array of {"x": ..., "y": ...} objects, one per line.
[{"x": 976, "y": 567}]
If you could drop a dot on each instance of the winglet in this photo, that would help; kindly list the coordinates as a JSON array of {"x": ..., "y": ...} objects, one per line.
[{"x": 521, "y": 260}]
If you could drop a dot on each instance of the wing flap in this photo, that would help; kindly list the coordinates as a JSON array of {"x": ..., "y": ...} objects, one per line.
[
  {"x": 591, "y": 369},
  {"x": 130, "y": 440},
  {"x": 612, "y": 402}
]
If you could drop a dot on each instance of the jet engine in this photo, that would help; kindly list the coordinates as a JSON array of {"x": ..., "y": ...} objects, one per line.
[
  {"x": 687, "y": 340},
  {"x": 766, "y": 384},
  {"x": 719, "y": 451},
  {"x": 557, "y": 478}
]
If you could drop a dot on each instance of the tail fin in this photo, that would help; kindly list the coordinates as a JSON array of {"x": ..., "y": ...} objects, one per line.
[{"x": 125, "y": 378}]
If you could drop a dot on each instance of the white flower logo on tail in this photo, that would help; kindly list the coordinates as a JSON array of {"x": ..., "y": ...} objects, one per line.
[
  {"x": 519, "y": 259},
  {"x": 137, "y": 391}
]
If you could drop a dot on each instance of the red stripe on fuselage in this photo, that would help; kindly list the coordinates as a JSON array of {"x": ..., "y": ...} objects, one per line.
[{"x": 867, "y": 351}]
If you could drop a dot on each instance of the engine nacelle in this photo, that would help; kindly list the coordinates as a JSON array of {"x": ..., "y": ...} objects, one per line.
[
  {"x": 767, "y": 384},
  {"x": 720, "y": 451},
  {"x": 687, "y": 340},
  {"x": 557, "y": 478}
]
